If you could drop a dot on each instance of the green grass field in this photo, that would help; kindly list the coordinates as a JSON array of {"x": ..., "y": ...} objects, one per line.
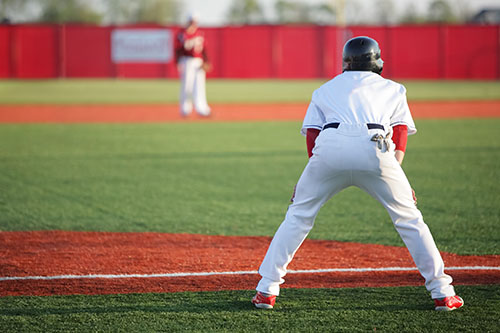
[
  {"x": 70, "y": 91},
  {"x": 401, "y": 309},
  {"x": 236, "y": 179}
]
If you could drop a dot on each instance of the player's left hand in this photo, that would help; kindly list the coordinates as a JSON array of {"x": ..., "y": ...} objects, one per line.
[
  {"x": 207, "y": 67},
  {"x": 414, "y": 196}
]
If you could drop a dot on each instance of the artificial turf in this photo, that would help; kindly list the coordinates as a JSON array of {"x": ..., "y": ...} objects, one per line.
[
  {"x": 398, "y": 309},
  {"x": 136, "y": 91},
  {"x": 236, "y": 179}
]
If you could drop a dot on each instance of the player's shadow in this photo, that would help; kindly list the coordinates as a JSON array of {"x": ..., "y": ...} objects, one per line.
[
  {"x": 224, "y": 305},
  {"x": 395, "y": 307}
]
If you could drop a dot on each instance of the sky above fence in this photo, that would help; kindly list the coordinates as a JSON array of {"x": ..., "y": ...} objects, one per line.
[{"x": 214, "y": 12}]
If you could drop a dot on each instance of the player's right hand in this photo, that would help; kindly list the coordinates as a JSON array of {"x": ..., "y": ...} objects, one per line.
[{"x": 293, "y": 194}]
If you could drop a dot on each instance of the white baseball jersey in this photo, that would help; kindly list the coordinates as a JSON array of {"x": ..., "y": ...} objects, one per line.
[
  {"x": 347, "y": 155},
  {"x": 359, "y": 98}
]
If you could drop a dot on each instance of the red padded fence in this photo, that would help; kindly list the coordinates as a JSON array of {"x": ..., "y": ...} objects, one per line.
[
  {"x": 33, "y": 51},
  {"x": 264, "y": 51},
  {"x": 479, "y": 59},
  {"x": 86, "y": 51},
  {"x": 5, "y": 51},
  {"x": 244, "y": 52}
]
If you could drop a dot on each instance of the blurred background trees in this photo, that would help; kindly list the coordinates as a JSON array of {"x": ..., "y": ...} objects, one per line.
[
  {"x": 8, "y": 8},
  {"x": 289, "y": 11},
  {"x": 137, "y": 11},
  {"x": 92, "y": 11},
  {"x": 56, "y": 11},
  {"x": 245, "y": 12},
  {"x": 327, "y": 12}
]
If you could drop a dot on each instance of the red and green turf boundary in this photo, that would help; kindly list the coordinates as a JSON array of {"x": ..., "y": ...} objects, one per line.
[
  {"x": 133, "y": 113},
  {"x": 65, "y": 262}
]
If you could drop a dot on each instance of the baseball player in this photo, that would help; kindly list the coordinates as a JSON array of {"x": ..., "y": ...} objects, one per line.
[
  {"x": 192, "y": 63},
  {"x": 356, "y": 129}
]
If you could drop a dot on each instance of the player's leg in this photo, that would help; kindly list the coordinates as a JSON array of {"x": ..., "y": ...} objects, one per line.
[
  {"x": 316, "y": 185},
  {"x": 187, "y": 75},
  {"x": 199, "y": 93},
  {"x": 390, "y": 187}
]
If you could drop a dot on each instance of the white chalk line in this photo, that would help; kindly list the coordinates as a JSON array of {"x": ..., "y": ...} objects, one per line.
[{"x": 196, "y": 274}]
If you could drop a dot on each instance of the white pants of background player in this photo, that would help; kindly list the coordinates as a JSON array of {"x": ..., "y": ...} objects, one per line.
[
  {"x": 346, "y": 157},
  {"x": 193, "y": 78}
]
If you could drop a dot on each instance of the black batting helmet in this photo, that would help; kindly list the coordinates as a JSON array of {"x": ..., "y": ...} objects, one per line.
[{"x": 362, "y": 54}]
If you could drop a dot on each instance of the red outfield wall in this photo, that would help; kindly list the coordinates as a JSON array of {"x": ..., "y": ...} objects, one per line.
[{"x": 423, "y": 51}]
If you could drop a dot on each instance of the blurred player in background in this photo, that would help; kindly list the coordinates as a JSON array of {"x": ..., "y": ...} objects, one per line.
[{"x": 192, "y": 62}]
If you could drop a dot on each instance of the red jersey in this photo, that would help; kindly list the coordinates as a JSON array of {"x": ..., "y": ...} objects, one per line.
[{"x": 190, "y": 45}]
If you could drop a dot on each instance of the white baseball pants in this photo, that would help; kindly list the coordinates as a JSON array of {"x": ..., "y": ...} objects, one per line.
[
  {"x": 193, "y": 79},
  {"x": 346, "y": 157}
]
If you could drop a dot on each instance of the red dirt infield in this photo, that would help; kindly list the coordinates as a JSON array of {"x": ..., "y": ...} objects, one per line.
[
  {"x": 83, "y": 257},
  {"x": 221, "y": 112}
]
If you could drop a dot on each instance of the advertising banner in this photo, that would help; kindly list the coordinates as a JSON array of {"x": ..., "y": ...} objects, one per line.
[{"x": 141, "y": 46}]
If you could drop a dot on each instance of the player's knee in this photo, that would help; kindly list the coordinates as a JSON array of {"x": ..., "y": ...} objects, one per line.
[{"x": 302, "y": 221}]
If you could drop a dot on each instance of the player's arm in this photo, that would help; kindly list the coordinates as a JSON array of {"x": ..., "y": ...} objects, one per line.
[
  {"x": 314, "y": 121},
  {"x": 204, "y": 54},
  {"x": 177, "y": 55},
  {"x": 207, "y": 65},
  {"x": 311, "y": 135},
  {"x": 178, "y": 47},
  {"x": 400, "y": 155},
  {"x": 400, "y": 138}
]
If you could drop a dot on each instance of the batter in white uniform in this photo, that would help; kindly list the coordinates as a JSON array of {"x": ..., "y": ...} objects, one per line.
[{"x": 356, "y": 128}]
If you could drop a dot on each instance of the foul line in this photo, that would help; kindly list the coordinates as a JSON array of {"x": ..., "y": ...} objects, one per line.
[{"x": 170, "y": 275}]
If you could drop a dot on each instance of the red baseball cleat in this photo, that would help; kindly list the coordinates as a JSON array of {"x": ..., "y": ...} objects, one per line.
[
  {"x": 449, "y": 303},
  {"x": 264, "y": 301}
]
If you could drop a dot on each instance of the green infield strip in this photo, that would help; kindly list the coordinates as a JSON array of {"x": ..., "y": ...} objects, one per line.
[
  {"x": 218, "y": 91},
  {"x": 237, "y": 179},
  {"x": 403, "y": 309}
]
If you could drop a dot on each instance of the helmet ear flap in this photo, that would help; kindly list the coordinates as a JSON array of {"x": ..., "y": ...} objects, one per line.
[
  {"x": 378, "y": 66},
  {"x": 346, "y": 66}
]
